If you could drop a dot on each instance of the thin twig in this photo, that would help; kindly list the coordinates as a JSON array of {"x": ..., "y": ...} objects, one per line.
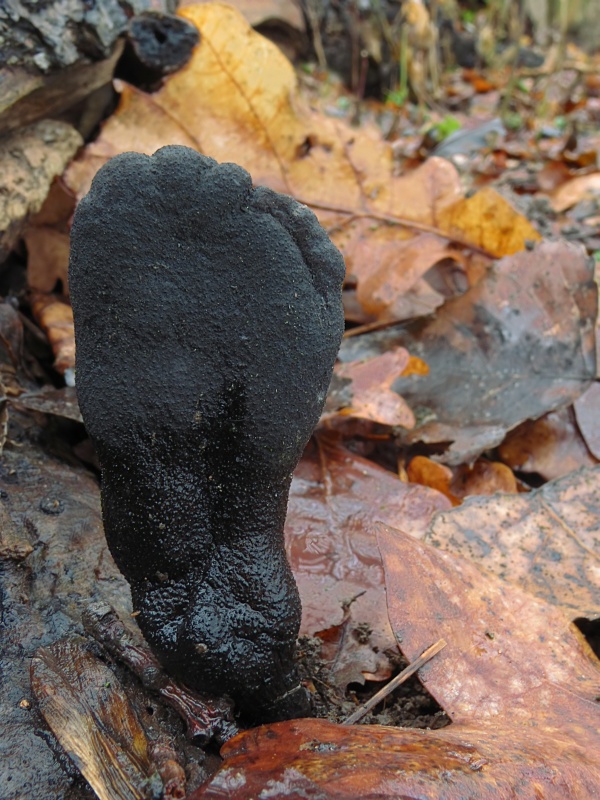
[
  {"x": 395, "y": 682},
  {"x": 353, "y": 215}
]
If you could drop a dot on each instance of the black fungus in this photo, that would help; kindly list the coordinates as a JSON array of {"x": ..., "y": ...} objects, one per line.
[{"x": 208, "y": 316}]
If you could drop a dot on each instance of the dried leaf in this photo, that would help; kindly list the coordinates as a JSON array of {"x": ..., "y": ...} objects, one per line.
[
  {"x": 29, "y": 160},
  {"x": 246, "y": 108},
  {"x": 56, "y": 402},
  {"x": 574, "y": 191},
  {"x": 487, "y": 220},
  {"x": 55, "y": 317}
]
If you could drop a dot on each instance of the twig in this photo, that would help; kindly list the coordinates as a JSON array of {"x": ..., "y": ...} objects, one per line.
[
  {"x": 395, "y": 682},
  {"x": 354, "y": 215}
]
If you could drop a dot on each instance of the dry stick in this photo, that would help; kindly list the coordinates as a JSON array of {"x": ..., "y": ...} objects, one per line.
[{"x": 395, "y": 682}]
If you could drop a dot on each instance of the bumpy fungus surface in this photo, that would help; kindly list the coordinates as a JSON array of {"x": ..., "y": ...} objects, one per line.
[{"x": 207, "y": 316}]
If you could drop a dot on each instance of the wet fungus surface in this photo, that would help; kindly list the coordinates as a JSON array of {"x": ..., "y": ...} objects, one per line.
[{"x": 208, "y": 316}]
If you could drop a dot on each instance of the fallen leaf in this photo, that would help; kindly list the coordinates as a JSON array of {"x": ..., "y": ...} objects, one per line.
[
  {"x": 86, "y": 708},
  {"x": 29, "y": 160},
  {"x": 489, "y": 221},
  {"x": 546, "y": 542},
  {"x": 334, "y": 500},
  {"x": 257, "y": 12},
  {"x": 390, "y": 284},
  {"x": 424, "y": 471},
  {"x": 48, "y": 259},
  {"x": 247, "y": 109},
  {"x": 56, "y": 402},
  {"x": 520, "y": 685},
  {"x": 550, "y": 446},
  {"x": 574, "y": 191},
  {"x": 516, "y": 345},
  {"x": 587, "y": 413},
  {"x": 369, "y": 394},
  {"x": 483, "y": 478},
  {"x": 55, "y": 317}
]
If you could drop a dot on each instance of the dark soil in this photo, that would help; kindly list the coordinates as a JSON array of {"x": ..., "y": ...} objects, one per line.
[{"x": 409, "y": 706}]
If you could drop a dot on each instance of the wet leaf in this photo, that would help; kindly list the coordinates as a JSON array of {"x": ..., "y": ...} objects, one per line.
[
  {"x": 369, "y": 394},
  {"x": 335, "y": 498},
  {"x": 514, "y": 346},
  {"x": 50, "y": 521},
  {"x": 518, "y": 681},
  {"x": 545, "y": 542},
  {"x": 550, "y": 446},
  {"x": 88, "y": 711}
]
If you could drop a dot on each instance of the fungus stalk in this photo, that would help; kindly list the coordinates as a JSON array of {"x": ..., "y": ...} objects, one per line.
[{"x": 208, "y": 316}]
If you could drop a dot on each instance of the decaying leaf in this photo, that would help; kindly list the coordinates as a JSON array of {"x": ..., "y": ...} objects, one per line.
[
  {"x": 88, "y": 711},
  {"x": 551, "y": 446},
  {"x": 546, "y": 542},
  {"x": 520, "y": 684},
  {"x": 55, "y": 402},
  {"x": 514, "y": 346},
  {"x": 335, "y": 498},
  {"x": 369, "y": 394},
  {"x": 51, "y": 522}
]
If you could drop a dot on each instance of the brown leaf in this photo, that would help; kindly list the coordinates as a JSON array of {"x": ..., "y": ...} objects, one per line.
[
  {"x": 390, "y": 270},
  {"x": 246, "y": 108},
  {"x": 48, "y": 258},
  {"x": 335, "y": 498},
  {"x": 587, "y": 413},
  {"x": 55, "y": 317},
  {"x": 520, "y": 685},
  {"x": 516, "y": 345},
  {"x": 56, "y": 402},
  {"x": 88, "y": 711},
  {"x": 550, "y": 446},
  {"x": 575, "y": 190},
  {"x": 483, "y": 477},
  {"x": 370, "y": 395},
  {"x": 545, "y": 542}
]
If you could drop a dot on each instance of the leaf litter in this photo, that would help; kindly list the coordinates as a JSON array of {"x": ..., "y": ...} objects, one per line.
[{"x": 381, "y": 556}]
